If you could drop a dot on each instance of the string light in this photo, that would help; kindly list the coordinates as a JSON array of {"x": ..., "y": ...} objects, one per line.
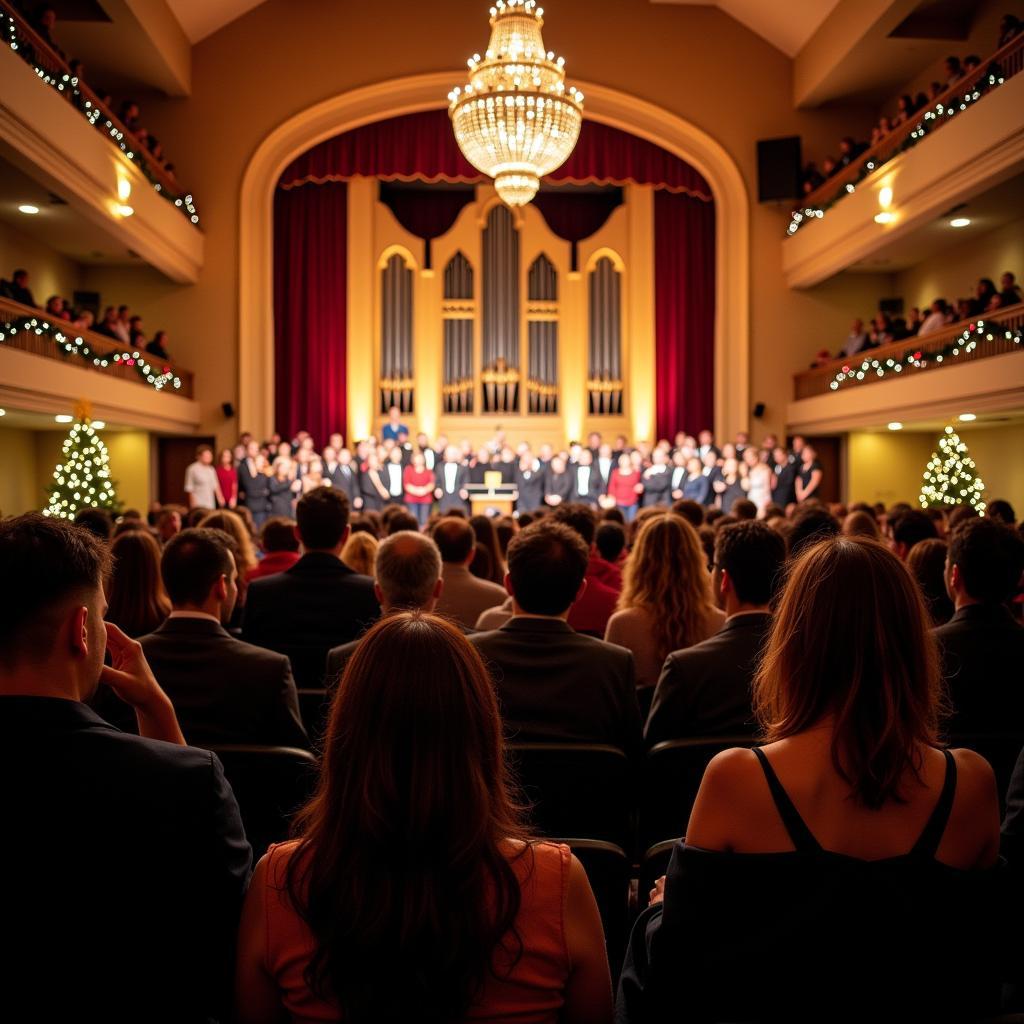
[
  {"x": 930, "y": 120},
  {"x": 966, "y": 343},
  {"x": 949, "y": 478},
  {"x": 158, "y": 379},
  {"x": 82, "y": 478}
]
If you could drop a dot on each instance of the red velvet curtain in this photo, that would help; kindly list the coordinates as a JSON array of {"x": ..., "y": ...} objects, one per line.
[
  {"x": 310, "y": 309},
  {"x": 684, "y": 313}
]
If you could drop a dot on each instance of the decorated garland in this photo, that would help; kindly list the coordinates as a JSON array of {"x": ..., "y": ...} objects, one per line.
[
  {"x": 159, "y": 379},
  {"x": 69, "y": 85},
  {"x": 966, "y": 342},
  {"x": 930, "y": 120}
]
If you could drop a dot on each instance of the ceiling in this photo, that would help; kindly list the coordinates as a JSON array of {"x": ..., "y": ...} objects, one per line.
[
  {"x": 786, "y": 24},
  {"x": 201, "y": 18}
]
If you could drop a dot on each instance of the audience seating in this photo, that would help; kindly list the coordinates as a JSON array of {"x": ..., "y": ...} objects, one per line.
[
  {"x": 314, "y": 706},
  {"x": 270, "y": 784},
  {"x": 673, "y": 774},
  {"x": 652, "y": 867},
  {"x": 577, "y": 789}
]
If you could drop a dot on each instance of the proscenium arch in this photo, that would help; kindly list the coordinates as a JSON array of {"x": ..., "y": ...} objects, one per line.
[{"x": 415, "y": 93}]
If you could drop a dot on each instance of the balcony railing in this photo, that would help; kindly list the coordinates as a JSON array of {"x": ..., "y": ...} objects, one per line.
[
  {"x": 1003, "y": 64},
  {"x": 31, "y": 330},
  {"x": 977, "y": 338},
  {"x": 52, "y": 69}
]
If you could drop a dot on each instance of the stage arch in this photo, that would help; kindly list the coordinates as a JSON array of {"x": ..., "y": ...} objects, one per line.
[{"x": 416, "y": 93}]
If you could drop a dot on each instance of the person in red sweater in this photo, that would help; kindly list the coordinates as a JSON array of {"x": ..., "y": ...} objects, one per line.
[
  {"x": 280, "y": 546},
  {"x": 624, "y": 486},
  {"x": 418, "y": 483},
  {"x": 594, "y": 607}
]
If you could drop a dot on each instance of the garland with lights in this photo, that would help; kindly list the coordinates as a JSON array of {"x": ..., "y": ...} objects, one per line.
[
  {"x": 930, "y": 120},
  {"x": 949, "y": 478},
  {"x": 965, "y": 343},
  {"x": 158, "y": 379},
  {"x": 69, "y": 86},
  {"x": 82, "y": 479}
]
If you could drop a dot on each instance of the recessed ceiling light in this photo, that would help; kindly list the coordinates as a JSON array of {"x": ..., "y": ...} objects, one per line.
[
  {"x": 960, "y": 222},
  {"x": 64, "y": 418},
  {"x": 884, "y": 217},
  {"x": 895, "y": 425},
  {"x": 967, "y": 417},
  {"x": 28, "y": 208},
  {"x": 98, "y": 424}
]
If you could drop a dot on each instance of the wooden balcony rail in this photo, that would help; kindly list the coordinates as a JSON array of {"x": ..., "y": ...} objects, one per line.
[
  {"x": 916, "y": 354},
  {"x": 54, "y": 70},
  {"x": 31, "y": 330},
  {"x": 1008, "y": 59}
]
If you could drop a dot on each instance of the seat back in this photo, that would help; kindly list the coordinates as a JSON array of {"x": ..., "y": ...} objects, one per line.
[
  {"x": 577, "y": 789},
  {"x": 314, "y": 706},
  {"x": 672, "y": 776},
  {"x": 270, "y": 784}
]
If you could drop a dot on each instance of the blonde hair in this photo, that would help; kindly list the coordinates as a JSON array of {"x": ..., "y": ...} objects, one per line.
[
  {"x": 360, "y": 552},
  {"x": 234, "y": 526},
  {"x": 666, "y": 575}
]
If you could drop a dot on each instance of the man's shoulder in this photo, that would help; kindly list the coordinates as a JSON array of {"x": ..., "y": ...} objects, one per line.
[
  {"x": 243, "y": 653},
  {"x": 151, "y": 757}
]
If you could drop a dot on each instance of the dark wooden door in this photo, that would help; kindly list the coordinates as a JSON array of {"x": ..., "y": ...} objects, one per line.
[{"x": 175, "y": 455}]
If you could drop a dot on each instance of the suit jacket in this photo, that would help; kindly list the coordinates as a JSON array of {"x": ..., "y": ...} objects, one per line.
[
  {"x": 561, "y": 484},
  {"x": 705, "y": 690},
  {"x": 253, "y": 488},
  {"x": 698, "y": 490},
  {"x": 530, "y": 484},
  {"x": 595, "y": 486},
  {"x": 451, "y": 499},
  {"x": 982, "y": 650},
  {"x": 464, "y": 597},
  {"x": 224, "y": 690},
  {"x": 127, "y": 865},
  {"x": 784, "y": 491},
  {"x": 558, "y": 686},
  {"x": 656, "y": 488},
  {"x": 305, "y": 611},
  {"x": 346, "y": 480}
]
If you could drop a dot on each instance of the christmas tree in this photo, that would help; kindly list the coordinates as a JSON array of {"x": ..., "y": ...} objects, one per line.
[
  {"x": 950, "y": 477},
  {"x": 81, "y": 479}
]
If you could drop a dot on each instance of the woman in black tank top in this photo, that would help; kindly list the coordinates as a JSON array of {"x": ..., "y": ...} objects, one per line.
[{"x": 880, "y": 900}]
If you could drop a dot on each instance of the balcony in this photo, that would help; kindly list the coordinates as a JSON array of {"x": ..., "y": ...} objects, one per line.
[
  {"x": 46, "y": 364},
  {"x": 969, "y": 141},
  {"x": 981, "y": 360}
]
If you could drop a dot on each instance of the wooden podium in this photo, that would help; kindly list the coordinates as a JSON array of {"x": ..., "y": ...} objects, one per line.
[{"x": 492, "y": 497}]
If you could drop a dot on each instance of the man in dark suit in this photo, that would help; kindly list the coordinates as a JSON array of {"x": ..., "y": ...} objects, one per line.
[
  {"x": 705, "y": 690},
  {"x": 224, "y": 690},
  {"x": 319, "y": 602},
  {"x": 657, "y": 481},
  {"x": 17, "y": 288},
  {"x": 982, "y": 646},
  {"x": 586, "y": 481},
  {"x": 558, "y": 482},
  {"x": 784, "y": 484},
  {"x": 451, "y": 478},
  {"x": 346, "y": 479},
  {"x": 553, "y": 683},
  {"x": 407, "y": 577},
  {"x": 125, "y": 856},
  {"x": 529, "y": 481},
  {"x": 254, "y": 484}
]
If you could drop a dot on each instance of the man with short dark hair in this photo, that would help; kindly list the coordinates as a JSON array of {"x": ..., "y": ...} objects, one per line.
[
  {"x": 610, "y": 541},
  {"x": 909, "y": 528},
  {"x": 17, "y": 288},
  {"x": 591, "y": 612},
  {"x": 705, "y": 690},
  {"x": 553, "y": 683},
  {"x": 225, "y": 691},
  {"x": 125, "y": 854},
  {"x": 407, "y": 577},
  {"x": 465, "y": 597},
  {"x": 810, "y": 525},
  {"x": 982, "y": 646},
  {"x": 319, "y": 602},
  {"x": 97, "y": 521}
]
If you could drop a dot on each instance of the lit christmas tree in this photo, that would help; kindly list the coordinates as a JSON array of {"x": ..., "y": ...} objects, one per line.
[
  {"x": 950, "y": 477},
  {"x": 81, "y": 479}
]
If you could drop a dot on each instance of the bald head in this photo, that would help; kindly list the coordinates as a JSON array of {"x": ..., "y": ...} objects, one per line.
[
  {"x": 408, "y": 571},
  {"x": 455, "y": 539}
]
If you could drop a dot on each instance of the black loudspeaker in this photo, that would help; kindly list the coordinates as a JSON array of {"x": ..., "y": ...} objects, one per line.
[
  {"x": 778, "y": 169},
  {"x": 228, "y": 409},
  {"x": 758, "y": 410}
]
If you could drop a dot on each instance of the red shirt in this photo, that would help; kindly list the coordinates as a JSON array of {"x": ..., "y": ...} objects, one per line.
[
  {"x": 228, "y": 479},
  {"x": 620, "y": 487},
  {"x": 590, "y": 614},
  {"x": 275, "y": 562},
  {"x": 418, "y": 478}
]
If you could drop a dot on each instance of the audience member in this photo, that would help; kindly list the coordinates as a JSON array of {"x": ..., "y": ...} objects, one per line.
[
  {"x": 926, "y": 562},
  {"x": 610, "y": 541},
  {"x": 464, "y": 597},
  {"x": 279, "y": 543},
  {"x": 848, "y": 827},
  {"x": 487, "y": 539},
  {"x": 130, "y": 862},
  {"x": 413, "y": 891},
  {"x": 17, "y": 288},
  {"x": 861, "y": 524},
  {"x": 97, "y": 521},
  {"x": 360, "y": 552},
  {"x": 908, "y": 529},
  {"x": 136, "y": 600},
  {"x": 811, "y": 524},
  {"x": 666, "y": 602},
  {"x": 319, "y": 602},
  {"x": 594, "y": 607},
  {"x": 554, "y": 684},
  {"x": 224, "y": 690}
]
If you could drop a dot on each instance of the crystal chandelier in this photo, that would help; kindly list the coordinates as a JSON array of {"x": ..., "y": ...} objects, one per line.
[{"x": 515, "y": 121}]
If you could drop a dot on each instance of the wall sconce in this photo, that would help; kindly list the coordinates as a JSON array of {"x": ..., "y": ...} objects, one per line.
[
  {"x": 124, "y": 192},
  {"x": 884, "y": 215}
]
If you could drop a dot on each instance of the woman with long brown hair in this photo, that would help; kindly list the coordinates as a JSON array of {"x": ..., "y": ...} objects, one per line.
[
  {"x": 413, "y": 892},
  {"x": 136, "y": 600},
  {"x": 816, "y": 868},
  {"x": 666, "y": 602},
  {"x": 487, "y": 538}
]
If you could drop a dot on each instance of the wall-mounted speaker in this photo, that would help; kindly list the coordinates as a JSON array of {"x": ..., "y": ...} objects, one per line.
[
  {"x": 228, "y": 409},
  {"x": 778, "y": 169},
  {"x": 758, "y": 410}
]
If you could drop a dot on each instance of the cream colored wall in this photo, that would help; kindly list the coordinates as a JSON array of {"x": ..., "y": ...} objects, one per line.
[
  {"x": 953, "y": 273},
  {"x": 49, "y": 272},
  {"x": 19, "y": 490},
  {"x": 671, "y": 55},
  {"x": 888, "y": 466}
]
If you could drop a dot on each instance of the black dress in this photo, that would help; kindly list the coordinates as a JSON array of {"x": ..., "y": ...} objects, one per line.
[{"x": 815, "y": 935}]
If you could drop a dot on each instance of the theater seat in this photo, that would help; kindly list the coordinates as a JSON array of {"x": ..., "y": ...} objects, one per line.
[
  {"x": 577, "y": 789},
  {"x": 609, "y": 871},
  {"x": 314, "y": 706},
  {"x": 672, "y": 777},
  {"x": 270, "y": 784}
]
